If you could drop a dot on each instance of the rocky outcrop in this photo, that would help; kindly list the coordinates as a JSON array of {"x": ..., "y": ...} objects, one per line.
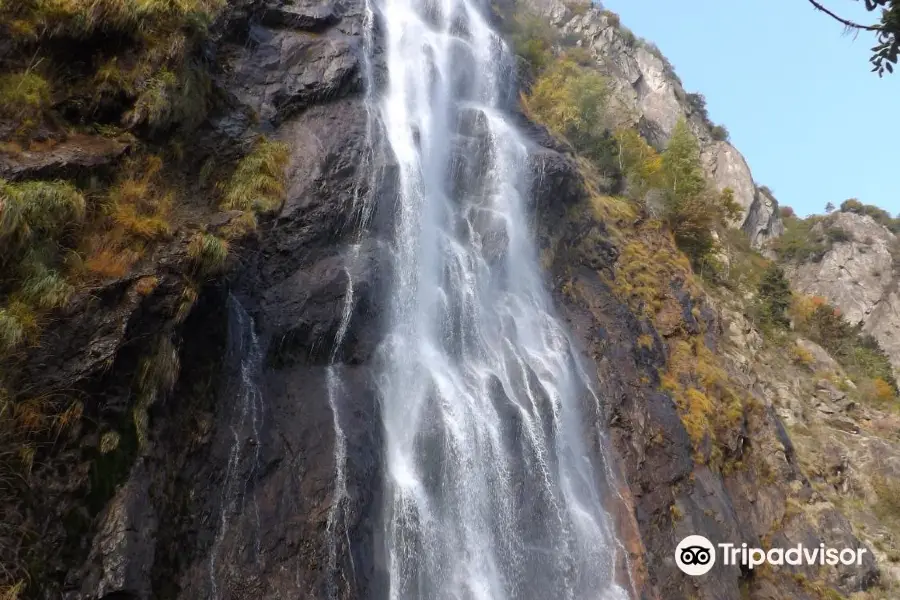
[
  {"x": 71, "y": 157},
  {"x": 860, "y": 275},
  {"x": 651, "y": 96},
  {"x": 763, "y": 223}
]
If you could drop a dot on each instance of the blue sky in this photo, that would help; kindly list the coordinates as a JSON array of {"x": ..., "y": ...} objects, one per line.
[{"x": 813, "y": 122}]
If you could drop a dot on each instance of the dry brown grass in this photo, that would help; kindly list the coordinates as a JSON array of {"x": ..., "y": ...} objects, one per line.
[{"x": 146, "y": 285}]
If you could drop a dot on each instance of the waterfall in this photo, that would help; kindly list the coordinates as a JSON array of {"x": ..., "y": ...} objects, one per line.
[
  {"x": 492, "y": 488},
  {"x": 244, "y": 362}
]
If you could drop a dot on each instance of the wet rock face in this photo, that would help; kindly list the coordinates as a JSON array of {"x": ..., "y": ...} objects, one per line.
[
  {"x": 121, "y": 560},
  {"x": 289, "y": 56},
  {"x": 232, "y": 495},
  {"x": 859, "y": 275}
]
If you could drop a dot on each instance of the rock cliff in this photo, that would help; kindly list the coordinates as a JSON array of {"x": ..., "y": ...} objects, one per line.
[
  {"x": 223, "y": 486},
  {"x": 652, "y": 96},
  {"x": 859, "y": 274}
]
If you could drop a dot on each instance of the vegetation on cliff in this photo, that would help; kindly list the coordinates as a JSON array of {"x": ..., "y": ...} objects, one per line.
[
  {"x": 141, "y": 87},
  {"x": 679, "y": 263},
  {"x": 669, "y": 216}
]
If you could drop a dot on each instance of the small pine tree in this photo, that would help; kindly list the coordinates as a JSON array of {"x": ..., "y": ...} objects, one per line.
[{"x": 775, "y": 296}]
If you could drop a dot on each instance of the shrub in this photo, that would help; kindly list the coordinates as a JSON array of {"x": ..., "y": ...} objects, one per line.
[
  {"x": 668, "y": 67},
  {"x": 17, "y": 323},
  {"x": 611, "y": 18},
  {"x": 878, "y": 391},
  {"x": 693, "y": 209},
  {"x": 156, "y": 375},
  {"x": 138, "y": 203},
  {"x": 533, "y": 39},
  {"x": 836, "y": 234},
  {"x": 639, "y": 162},
  {"x": 802, "y": 356},
  {"x": 258, "y": 181},
  {"x": 858, "y": 353},
  {"x": 36, "y": 209},
  {"x": 171, "y": 98},
  {"x": 42, "y": 286},
  {"x": 578, "y": 7},
  {"x": 697, "y": 105},
  {"x": 787, "y": 212},
  {"x": 80, "y": 19},
  {"x": 801, "y": 241},
  {"x": 719, "y": 133},
  {"x": 887, "y": 492},
  {"x": 23, "y": 98},
  {"x": 12, "y": 592},
  {"x": 774, "y": 297},
  {"x": 35, "y": 216},
  {"x": 628, "y": 36},
  {"x": 573, "y": 101}
]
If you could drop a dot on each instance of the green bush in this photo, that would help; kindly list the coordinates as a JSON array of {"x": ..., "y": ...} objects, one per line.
[
  {"x": 857, "y": 352},
  {"x": 28, "y": 20},
  {"x": 719, "y": 133},
  {"x": 533, "y": 38},
  {"x": 693, "y": 210},
  {"x": 836, "y": 234},
  {"x": 697, "y": 104},
  {"x": 36, "y": 210},
  {"x": 208, "y": 253},
  {"x": 801, "y": 241},
  {"x": 573, "y": 102},
  {"x": 612, "y": 18},
  {"x": 774, "y": 297}
]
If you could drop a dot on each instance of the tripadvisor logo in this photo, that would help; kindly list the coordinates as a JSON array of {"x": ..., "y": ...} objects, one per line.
[{"x": 696, "y": 555}]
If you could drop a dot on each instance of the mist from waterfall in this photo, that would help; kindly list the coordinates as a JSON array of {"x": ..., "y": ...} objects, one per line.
[{"x": 491, "y": 490}]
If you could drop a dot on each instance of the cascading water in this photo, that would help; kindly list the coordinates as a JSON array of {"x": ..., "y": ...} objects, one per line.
[
  {"x": 244, "y": 361},
  {"x": 491, "y": 491}
]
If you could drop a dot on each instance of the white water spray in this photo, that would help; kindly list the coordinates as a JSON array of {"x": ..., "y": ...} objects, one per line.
[{"x": 491, "y": 491}]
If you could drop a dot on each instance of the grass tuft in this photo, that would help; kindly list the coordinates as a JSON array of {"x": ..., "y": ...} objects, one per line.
[
  {"x": 109, "y": 442},
  {"x": 24, "y": 98},
  {"x": 156, "y": 375},
  {"x": 257, "y": 184},
  {"x": 208, "y": 253},
  {"x": 12, "y": 592},
  {"x": 36, "y": 208}
]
